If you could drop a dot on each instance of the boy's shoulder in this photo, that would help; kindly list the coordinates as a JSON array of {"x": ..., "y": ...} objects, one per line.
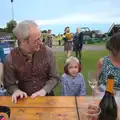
[
  {"x": 80, "y": 74},
  {"x": 64, "y": 75}
]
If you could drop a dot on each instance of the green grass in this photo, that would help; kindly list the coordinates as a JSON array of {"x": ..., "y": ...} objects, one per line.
[{"x": 89, "y": 61}]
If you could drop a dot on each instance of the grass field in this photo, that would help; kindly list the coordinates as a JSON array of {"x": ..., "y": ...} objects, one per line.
[{"x": 89, "y": 61}]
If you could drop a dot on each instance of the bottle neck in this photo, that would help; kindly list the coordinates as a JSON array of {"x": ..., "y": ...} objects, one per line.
[{"x": 110, "y": 85}]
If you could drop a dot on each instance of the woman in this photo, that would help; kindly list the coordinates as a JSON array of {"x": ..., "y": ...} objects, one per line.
[
  {"x": 67, "y": 41},
  {"x": 78, "y": 43},
  {"x": 111, "y": 63},
  {"x": 49, "y": 39}
]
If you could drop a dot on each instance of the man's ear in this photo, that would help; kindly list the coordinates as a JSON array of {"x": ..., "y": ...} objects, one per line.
[{"x": 24, "y": 41}]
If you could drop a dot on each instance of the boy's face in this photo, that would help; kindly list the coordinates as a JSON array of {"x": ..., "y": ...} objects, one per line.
[{"x": 73, "y": 69}]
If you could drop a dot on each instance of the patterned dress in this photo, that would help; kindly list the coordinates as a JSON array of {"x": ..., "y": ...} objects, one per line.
[
  {"x": 49, "y": 41},
  {"x": 67, "y": 43},
  {"x": 109, "y": 68}
]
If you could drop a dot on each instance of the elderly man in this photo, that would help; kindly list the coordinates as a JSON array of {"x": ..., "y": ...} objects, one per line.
[
  {"x": 78, "y": 42},
  {"x": 30, "y": 69}
]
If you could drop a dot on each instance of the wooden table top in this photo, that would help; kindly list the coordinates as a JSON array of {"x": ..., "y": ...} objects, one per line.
[
  {"x": 89, "y": 99},
  {"x": 45, "y": 108},
  {"x": 55, "y": 101},
  {"x": 42, "y": 108}
]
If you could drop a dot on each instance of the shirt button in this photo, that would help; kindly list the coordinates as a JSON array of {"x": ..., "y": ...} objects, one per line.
[
  {"x": 34, "y": 81},
  {"x": 34, "y": 87}
]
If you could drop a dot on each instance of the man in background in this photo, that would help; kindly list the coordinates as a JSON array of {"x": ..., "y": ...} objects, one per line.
[{"x": 78, "y": 43}]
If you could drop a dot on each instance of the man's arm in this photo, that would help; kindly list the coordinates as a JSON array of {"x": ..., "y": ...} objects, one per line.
[
  {"x": 10, "y": 78},
  {"x": 81, "y": 38},
  {"x": 99, "y": 68},
  {"x": 54, "y": 76}
]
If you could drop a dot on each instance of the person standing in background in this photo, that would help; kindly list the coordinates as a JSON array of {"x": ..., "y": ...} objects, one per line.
[
  {"x": 67, "y": 41},
  {"x": 59, "y": 39},
  {"x": 78, "y": 43},
  {"x": 49, "y": 39}
]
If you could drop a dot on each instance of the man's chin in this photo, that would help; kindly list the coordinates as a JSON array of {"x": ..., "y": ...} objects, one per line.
[{"x": 37, "y": 49}]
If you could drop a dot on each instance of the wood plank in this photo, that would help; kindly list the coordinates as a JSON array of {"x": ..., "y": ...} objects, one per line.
[
  {"x": 44, "y": 114},
  {"x": 48, "y": 101}
]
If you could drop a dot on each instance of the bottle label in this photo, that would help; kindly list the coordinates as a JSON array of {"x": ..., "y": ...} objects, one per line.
[{"x": 110, "y": 85}]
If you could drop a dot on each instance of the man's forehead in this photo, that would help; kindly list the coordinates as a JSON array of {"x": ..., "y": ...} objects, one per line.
[{"x": 34, "y": 30}]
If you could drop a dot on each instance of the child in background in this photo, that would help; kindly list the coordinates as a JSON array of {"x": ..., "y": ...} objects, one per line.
[{"x": 72, "y": 80}]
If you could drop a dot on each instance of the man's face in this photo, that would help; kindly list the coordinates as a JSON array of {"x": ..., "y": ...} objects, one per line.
[
  {"x": 68, "y": 30},
  {"x": 78, "y": 30},
  {"x": 49, "y": 32},
  {"x": 34, "y": 39}
]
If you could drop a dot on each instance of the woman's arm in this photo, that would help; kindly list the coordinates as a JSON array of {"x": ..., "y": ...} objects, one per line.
[{"x": 99, "y": 68}]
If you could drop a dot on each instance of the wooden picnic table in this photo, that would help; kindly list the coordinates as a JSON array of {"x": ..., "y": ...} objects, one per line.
[
  {"x": 45, "y": 108},
  {"x": 89, "y": 99}
]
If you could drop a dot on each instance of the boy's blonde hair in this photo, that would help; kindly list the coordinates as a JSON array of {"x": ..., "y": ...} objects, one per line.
[{"x": 70, "y": 60}]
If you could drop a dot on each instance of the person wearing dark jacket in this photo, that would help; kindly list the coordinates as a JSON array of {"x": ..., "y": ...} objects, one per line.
[{"x": 78, "y": 42}]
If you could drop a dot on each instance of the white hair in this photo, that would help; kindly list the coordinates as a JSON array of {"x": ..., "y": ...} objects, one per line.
[
  {"x": 78, "y": 29},
  {"x": 70, "y": 60},
  {"x": 22, "y": 30}
]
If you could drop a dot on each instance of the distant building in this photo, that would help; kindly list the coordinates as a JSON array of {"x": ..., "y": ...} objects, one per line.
[{"x": 5, "y": 36}]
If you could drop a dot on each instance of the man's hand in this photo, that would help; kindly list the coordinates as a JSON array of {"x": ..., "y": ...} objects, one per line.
[
  {"x": 18, "y": 93},
  {"x": 42, "y": 92}
]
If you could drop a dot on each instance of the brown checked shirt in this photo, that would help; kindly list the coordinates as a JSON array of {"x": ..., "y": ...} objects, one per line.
[{"x": 30, "y": 73}]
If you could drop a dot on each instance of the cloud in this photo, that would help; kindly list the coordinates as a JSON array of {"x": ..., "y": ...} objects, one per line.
[
  {"x": 78, "y": 18},
  {"x": 88, "y": 12},
  {"x": 91, "y": 11}
]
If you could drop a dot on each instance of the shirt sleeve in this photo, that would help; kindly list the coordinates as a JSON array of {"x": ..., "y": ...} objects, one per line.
[
  {"x": 54, "y": 75},
  {"x": 63, "y": 87},
  {"x": 83, "y": 87},
  {"x": 10, "y": 79}
]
